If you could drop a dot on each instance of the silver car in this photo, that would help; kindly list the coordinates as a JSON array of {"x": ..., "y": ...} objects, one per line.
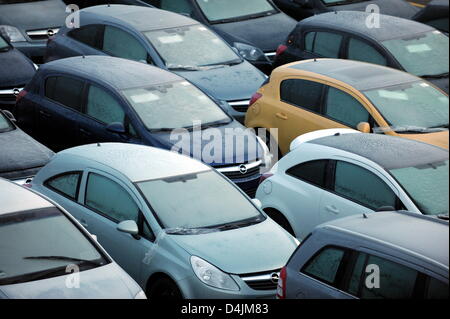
[
  {"x": 177, "y": 226},
  {"x": 46, "y": 254}
]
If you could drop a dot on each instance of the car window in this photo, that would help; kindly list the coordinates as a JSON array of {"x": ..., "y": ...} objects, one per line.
[
  {"x": 362, "y": 186},
  {"x": 119, "y": 43},
  {"x": 66, "y": 184},
  {"x": 324, "y": 266},
  {"x": 178, "y": 6},
  {"x": 110, "y": 199},
  {"x": 362, "y": 51},
  {"x": 440, "y": 24},
  {"x": 64, "y": 90},
  {"x": 327, "y": 44},
  {"x": 5, "y": 124},
  {"x": 436, "y": 289},
  {"x": 104, "y": 107},
  {"x": 344, "y": 108},
  {"x": 3, "y": 44},
  {"x": 309, "y": 41},
  {"x": 89, "y": 35},
  {"x": 313, "y": 172},
  {"x": 303, "y": 93}
]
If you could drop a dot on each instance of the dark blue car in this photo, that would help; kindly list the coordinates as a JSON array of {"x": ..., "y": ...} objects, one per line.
[
  {"x": 167, "y": 40},
  {"x": 93, "y": 99}
]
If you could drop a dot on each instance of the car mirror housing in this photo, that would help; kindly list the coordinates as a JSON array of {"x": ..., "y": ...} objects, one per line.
[
  {"x": 116, "y": 127},
  {"x": 364, "y": 127},
  {"x": 257, "y": 203},
  {"x": 9, "y": 115},
  {"x": 128, "y": 227}
]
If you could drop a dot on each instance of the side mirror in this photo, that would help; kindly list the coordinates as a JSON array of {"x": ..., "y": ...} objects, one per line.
[
  {"x": 116, "y": 127},
  {"x": 128, "y": 227},
  {"x": 257, "y": 203},
  {"x": 363, "y": 127},
  {"x": 9, "y": 115}
]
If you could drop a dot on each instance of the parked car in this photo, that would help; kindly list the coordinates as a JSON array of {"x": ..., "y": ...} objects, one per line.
[
  {"x": 347, "y": 173},
  {"x": 29, "y": 23},
  {"x": 167, "y": 40},
  {"x": 330, "y": 93},
  {"x": 301, "y": 9},
  {"x": 398, "y": 43},
  {"x": 46, "y": 254},
  {"x": 387, "y": 255},
  {"x": 20, "y": 155},
  {"x": 104, "y": 99},
  {"x": 178, "y": 227},
  {"x": 16, "y": 71},
  {"x": 435, "y": 14},
  {"x": 255, "y": 28}
]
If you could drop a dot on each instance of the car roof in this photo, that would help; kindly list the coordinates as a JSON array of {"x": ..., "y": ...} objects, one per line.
[
  {"x": 390, "y": 152},
  {"x": 136, "y": 162},
  {"x": 138, "y": 17},
  {"x": 15, "y": 198},
  {"x": 117, "y": 72},
  {"x": 426, "y": 236},
  {"x": 356, "y": 22},
  {"x": 354, "y": 73}
]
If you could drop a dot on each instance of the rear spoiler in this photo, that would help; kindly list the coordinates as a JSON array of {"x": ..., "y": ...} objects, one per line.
[{"x": 319, "y": 134}]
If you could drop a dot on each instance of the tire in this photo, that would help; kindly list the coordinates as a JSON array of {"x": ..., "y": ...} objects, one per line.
[
  {"x": 164, "y": 289},
  {"x": 280, "y": 220}
]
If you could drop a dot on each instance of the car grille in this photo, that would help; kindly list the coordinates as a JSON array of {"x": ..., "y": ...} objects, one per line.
[
  {"x": 240, "y": 171},
  {"x": 262, "y": 281},
  {"x": 240, "y": 106},
  {"x": 270, "y": 55},
  {"x": 42, "y": 34},
  {"x": 9, "y": 95}
]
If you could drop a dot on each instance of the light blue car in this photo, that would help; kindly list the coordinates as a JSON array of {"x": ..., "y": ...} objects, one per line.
[{"x": 177, "y": 226}]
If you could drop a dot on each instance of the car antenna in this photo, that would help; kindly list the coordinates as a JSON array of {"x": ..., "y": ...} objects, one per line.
[
  {"x": 84, "y": 56},
  {"x": 365, "y": 216},
  {"x": 98, "y": 144},
  {"x": 337, "y": 134}
]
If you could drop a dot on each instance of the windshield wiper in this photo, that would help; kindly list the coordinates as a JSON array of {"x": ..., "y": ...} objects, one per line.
[
  {"x": 163, "y": 129},
  {"x": 436, "y": 76},
  {"x": 409, "y": 129},
  {"x": 239, "y": 224},
  {"x": 230, "y": 63},
  {"x": 216, "y": 124},
  {"x": 44, "y": 274},
  {"x": 183, "y": 68},
  {"x": 65, "y": 258},
  {"x": 188, "y": 231}
]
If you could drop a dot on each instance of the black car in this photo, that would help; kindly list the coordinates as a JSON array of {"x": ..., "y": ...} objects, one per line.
[
  {"x": 16, "y": 70},
  {"x": 20, "y": 155},
  {"x": 402, "y": 44},
  {"x": 254, "y": 27},
  {"x": 301, "y": 9},
  {"x": 435, "y": 14}
]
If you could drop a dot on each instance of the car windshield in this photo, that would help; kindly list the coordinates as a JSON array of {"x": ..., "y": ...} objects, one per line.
[
  {"x": 416, "y": 104},
  {"x": 203, "y": 200},
  {"x": 427, "y": 185},
  {"x": 3, "y": 44},
  {"x": 42, "y": 243},
  {"x": 5, "y": 124},
  {"x": 223, "y": 10},
  {"x": 423, "y": 54},
  {"x": 191, "y": 46},
  {"x": 17, "y": 1},
  {"x": 174, "y": 105}
]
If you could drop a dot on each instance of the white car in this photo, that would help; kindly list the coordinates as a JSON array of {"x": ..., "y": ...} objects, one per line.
[{"x": 337, "y": 174}]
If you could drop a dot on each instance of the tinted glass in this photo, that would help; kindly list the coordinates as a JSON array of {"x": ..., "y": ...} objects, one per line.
[
  {"x": 327, "y": 44},
  {"x": 436, "y": 289},
  {"x": 66, "y": 184},
  {"x": 344, "y": 108},
  {"x": 325, "y": 265},
  {"x": 362, "y": 186},
  {"x": 357, "y": 279},
  {"x": 64, "y": 90},
  {"x": 441, "y": 24},
  {"x": 216, "y": 10},
  {"x": 103, "y": 107},
  {"x": 303, "y": 93},
  {"x": 309, "y": 41},
  {"x": 110, "y": 199},
  {"x": 179, "y": 6},
  {"x": 5, "y": 125},
  {"x": 312, "y": 172},
  {"x": 3, "y": 44},
  {"x": 121, "y": 44},
  {"x": 361, "y": 51},
  {"x": 89, "y": 35}
]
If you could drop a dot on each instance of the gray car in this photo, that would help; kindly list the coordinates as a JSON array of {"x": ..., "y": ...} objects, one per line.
[
  {"x": 177, "y": 226},
  {"x": 385, "y": 255},
  {"x": 46, "y": 254}
]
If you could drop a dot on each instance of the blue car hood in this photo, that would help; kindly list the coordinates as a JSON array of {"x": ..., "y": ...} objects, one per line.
[
  {"x": 262, "y": 247},
  {"x": 16, "y": 69},
  {"x": 230, "y": 83}
]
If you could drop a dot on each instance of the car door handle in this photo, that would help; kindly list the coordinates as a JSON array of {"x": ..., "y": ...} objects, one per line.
[
  {"x": 84, "y": 132},
  {"x": 332, "y": 209},
  {"x": 45, "y": 114},
  {"x": 281, "y": 116}
]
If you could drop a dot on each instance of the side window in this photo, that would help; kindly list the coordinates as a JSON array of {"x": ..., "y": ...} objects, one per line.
[
  {"x": 313, "y": 172},
  {"x": 309, "y": 41},
  {"x": 302, "y": 93},
  {"x": 67, "y": 184},
  {"x": 178, "y": 6},
  {"x": 110, "y": 199},
  {"x": 436, "y": 289},
  {"x": 344, "y": 108},
  {"x": 362, "y": 186},
  {"x": 119, "y": 43},
  {"x": 324, "y": 266},
  {"x": 89, "y": 35},
  {"x": 362, "y": 51},
  {"x": 103, "y": 107},
  {"x": 64, "y": 90},
  {"x": 327, "y": 44}
]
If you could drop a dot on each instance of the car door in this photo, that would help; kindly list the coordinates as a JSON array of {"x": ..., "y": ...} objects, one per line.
[{"x": 356, "y": 189}]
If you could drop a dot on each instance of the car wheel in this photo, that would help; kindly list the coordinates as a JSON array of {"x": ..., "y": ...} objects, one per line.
[
  {"x": 280, "y": 220},
  {"x": 164, "y": 288}
]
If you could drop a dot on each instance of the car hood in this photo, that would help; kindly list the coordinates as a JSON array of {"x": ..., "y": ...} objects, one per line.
[
  {"x": 266, "y": 33},
  {"x": 34, "y": 15},
  {"x": 107, "y": 282},
  {"x": 16, "y": 70},
  {"x": 188, "y": 142},
  {"x": 438, "y": 139},
  {"x": 230, "y": 83},
  {"x": 441, "y": 83},
  {"x": 262, "y": 247},
  {"x": 20, "y": 154},
  {"x": 396, "y": 8}
]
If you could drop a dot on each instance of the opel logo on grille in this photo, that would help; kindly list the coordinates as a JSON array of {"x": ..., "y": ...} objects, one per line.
[
  {"x": 274, "y": 277},
  {"x": 50, "y": 33},
  {"x": 16, "y": 92},
  {"x": 243, "y": 169}
]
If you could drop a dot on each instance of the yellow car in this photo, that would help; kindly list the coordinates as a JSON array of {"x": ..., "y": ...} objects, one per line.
[{"x": 311, "y": 95}]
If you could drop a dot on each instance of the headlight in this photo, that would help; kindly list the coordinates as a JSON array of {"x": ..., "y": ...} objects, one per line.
[
  {"x": 211, "y": 275},
  {"x": 140, "y": 295},
  {"x": 249, "y": 52},
  {"x": 13, "y": 33}
]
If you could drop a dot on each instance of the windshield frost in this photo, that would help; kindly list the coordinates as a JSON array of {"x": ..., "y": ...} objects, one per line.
[{"x": 217, "y": 10}]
